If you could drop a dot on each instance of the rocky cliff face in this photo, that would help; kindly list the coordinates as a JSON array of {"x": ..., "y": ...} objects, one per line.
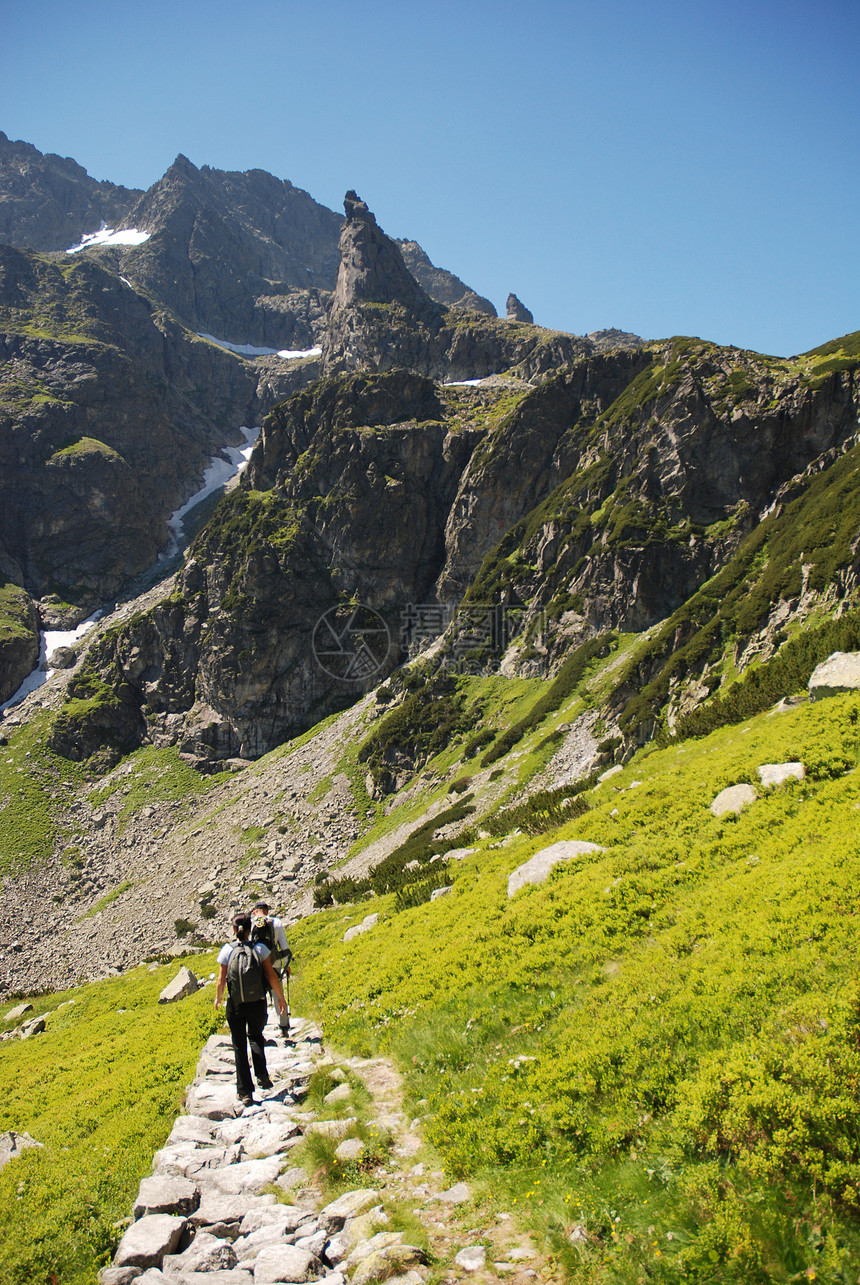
[
  {"x": 242, "y": 255},
  {"x": 593, "y": 483},
  {"x": 604, "y": 498},
  {"x": 346, "y": 502},
  {"x": 47, "y": 202},
  {"x": 658, "y": 488},
  {"x": 516, "y": 310},
  {"x": 381, "y": 319},
  {"x": 19, "y": 638},
  {"x": 109, "y": 408},
  {"x": 442, "y": 286},
  {"x": 108, "y": 412},
  {"x": 228, "y": 252}
]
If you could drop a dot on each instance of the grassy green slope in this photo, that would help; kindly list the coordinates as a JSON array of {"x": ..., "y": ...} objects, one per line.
[
  {"x": 100, "y": 1089},
  {"x": 660, "y": 1045}
]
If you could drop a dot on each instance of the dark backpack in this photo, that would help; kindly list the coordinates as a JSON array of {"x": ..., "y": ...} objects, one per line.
[
  {"x": 264, "y": 931},
  {"x": 246, "y": 981}
]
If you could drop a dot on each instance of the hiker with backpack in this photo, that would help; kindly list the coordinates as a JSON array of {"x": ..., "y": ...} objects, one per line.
[
  {"x": 270, "y": 931},
  {"x": 246, "y": 971}
]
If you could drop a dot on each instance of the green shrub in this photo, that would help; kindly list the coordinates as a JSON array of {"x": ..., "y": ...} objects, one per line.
[
  {"x": 660, "y": 1043},
  {"x": 100, "y": 1089},
  {"x": 562, "y": 687}
]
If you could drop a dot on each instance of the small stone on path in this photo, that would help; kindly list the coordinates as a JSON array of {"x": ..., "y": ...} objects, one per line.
[
  {"x": 457, "y": 1195},
  {"x": 472, "y": 1258}
]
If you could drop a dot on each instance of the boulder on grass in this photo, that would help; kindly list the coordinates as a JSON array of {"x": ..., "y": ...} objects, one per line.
[
  {"x": 536, "y": 869},
  {"x": 184, "y": 983},
  {"x": 778, "y": 773},
  {"x": 840, "y": 672},
  {"x": 733, "y": 799},
  {"x": 12, "y": 1144}
]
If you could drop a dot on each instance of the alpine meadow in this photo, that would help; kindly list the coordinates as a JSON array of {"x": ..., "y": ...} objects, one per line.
[{"x": 517, "y": 671}]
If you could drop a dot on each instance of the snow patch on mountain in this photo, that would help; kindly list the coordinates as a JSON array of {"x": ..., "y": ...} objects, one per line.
[
  {"x": 251, "y": 350},
  {"x": 222, "y": 467},
  {"x": 107, "y": 236},
  {"x": 49, "y": 641}
]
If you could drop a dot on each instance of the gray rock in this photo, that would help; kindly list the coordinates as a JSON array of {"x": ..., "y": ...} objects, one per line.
[
  {"x": 778, "y": 773},
  {"x": 262, "y": 1138},
  {"x": 336, "y": 1250},
  {"x": 35, "y": 1026},
  {"x": 185, "y": 1160},
  {"x": 364, "y": 1226},
  {"x": 440, "y": 892},
  {"x": 340, "y": 1094},
  {"x": 351, "y": 1203},
  {"x": 372, "y": 1245},
  {"x": 472, "y": 1258},
  {"x": 148, "y": 1240},
  {"x": 228, "y": 1276},
  {"x": 119, "y": 1275},
  {"x": 249, "y": 1247},
  {"x": 221, "y": 1208},
  {"x": 62, "y": 658},
  {"x": 292, "y": 1178},
  {"x": 610, "y": 772},
  {"x": 331, "y": 1128},
  {"x": 249, "y": 1177},
  {"x": 285, "y": 1263},
  {"x": 457, "y": 1195},
  {"x": 840, "y": 672},
  {"x": 206, "y": 1253},
  {"x": 214, "y": 1102},
  {"x": 357, "y": 929},
  {"x": 18, "y": 1012},
  {"x": 284, "y": 1217},
  {"x": 13, "y": 1143},
  {"x": 184, "y": 983},
  {"x": 349, "y": 1149},
  {"x": 314, "y": 1242},
  {"x": 733, "y": 799},
  {"x": 386, "y": 1263},
  {"x": 536, "y": 869},
  {"x": 515, "y": 310},
  {"x": 193, "y": 1128},
  {"x": 165, "y": 1195}
]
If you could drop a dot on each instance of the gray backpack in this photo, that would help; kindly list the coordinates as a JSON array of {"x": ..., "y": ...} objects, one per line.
[{"x": 246, "y": 981}]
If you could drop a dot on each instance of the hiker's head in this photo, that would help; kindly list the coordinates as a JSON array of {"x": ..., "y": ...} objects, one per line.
[
  {"x": 262, "y": 907},
  {"x": 242, "y": 926}
]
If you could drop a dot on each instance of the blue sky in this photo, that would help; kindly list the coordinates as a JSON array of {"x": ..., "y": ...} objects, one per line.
[{"x": 664, "y": 167}]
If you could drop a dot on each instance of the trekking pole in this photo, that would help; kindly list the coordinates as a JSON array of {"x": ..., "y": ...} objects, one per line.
[{"x": 287, "y": 1027}]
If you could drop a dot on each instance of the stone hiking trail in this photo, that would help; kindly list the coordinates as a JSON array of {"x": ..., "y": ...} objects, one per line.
[{"x": 208, "y": 1213}]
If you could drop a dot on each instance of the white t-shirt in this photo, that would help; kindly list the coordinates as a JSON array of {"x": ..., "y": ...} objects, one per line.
[{"x": 227, "y": 949}]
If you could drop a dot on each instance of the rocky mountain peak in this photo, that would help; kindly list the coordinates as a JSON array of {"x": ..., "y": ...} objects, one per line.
[
  {"x": 182, "y": 166},
  {"x": 355, "y": 208},
  {"x": 47, "y": 202},
  {"x": 371, "y": 265},
  {"x": 516, "y": 310}
]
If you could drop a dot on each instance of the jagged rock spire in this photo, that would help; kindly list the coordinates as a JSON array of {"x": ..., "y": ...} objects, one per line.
[
  {"x": 371, "y": 266},
  {"x": 516, "y": 310}
]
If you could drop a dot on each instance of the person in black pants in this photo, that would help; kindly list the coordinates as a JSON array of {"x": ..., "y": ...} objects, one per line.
[{"x": 247, "y": 1017}]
